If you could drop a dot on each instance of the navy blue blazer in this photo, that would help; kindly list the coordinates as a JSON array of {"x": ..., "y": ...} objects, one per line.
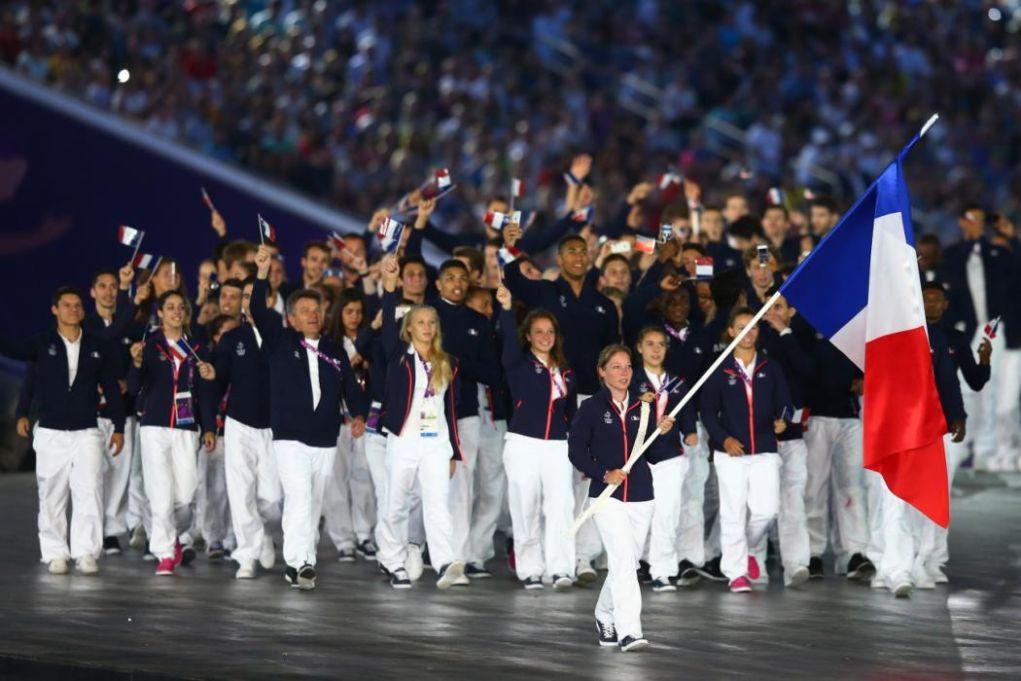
[
  {"x": 589, "y": 321},
  {"x": 531, "y": 385},
  {"x": 668, "y": 445},
  {"x": 798, "y": 368},
  {"x": 291, "y": 414},
  {"x": 829, "y": 392},
  {"x": 468, "y": 336},
  {"x": 997, "y": 265},
  {"x": 400, "y": 379},
  {"x": 599, "y": 442},
  {"x": 959, "y": 345},
  {"x": 242, "y": 368},
  {"x": 74, "y": 406},
  {"x": 947, "y": 384},
  {"x": 727, "y": 411},
  {"x": 155, "y": 383}
]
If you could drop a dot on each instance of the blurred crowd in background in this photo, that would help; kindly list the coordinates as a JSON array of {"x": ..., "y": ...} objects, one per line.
[{"x": 356, "y": 102}]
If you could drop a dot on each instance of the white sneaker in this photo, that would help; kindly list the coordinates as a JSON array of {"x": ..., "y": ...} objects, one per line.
[
  {"x": 937, "y": 575},
  {"x": 902, "y": 588},
  {"x": 138, "y": 538},
  {"x": 462, "y": 581},
  {"x": 450, "y": 575},
  {"x": 58, "y": 566},
  {"x": 268, "y": 555},
  {"x": 86, "y": 565},
  {"x": 413, "y": 562},
  {"x": 798, "y": 577},
  {"x": 246, "y": 571},
  {"x": 585, "y": 572}
]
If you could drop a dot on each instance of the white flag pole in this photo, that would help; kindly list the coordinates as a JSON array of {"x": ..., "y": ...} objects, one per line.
[{"x": 601, "y": 501}]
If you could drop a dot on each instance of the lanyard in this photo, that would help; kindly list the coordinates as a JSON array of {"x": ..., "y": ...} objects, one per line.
[
  {"x": 428, "y": 368},
  {"x": 745, "y": 378},
  {"x": 335, "y": 363},
  {"x": 679, "y": 334},
  {"x": 662, "y": 394},
  {"x": 175, "y": 371}
]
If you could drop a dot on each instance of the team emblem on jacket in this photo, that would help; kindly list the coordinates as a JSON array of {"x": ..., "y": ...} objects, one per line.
[
  {"x": 472, "y": 332},
  {"x": 126, "y": 340},
  {"x": 95, "y": 354},
  {"x": 240, "y": 350},
  {"x": 563, "y": 300},
  {"x": 761, "y": 374},
  {"x": 634, "y": 417},
  {"x": 644, "y": 387},
  {"x": 52, "y": 350},
  {"x": 698, "y": 350},
  {"x": 731, "y": 381},
  {"x": 600, "y": 309},
  {"x": 297, "y": 355},
  {"x": 607, "y": 418},
  {"x": 538, "y": 369}
]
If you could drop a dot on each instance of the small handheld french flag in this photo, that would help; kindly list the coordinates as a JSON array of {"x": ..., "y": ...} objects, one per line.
[
  {"x": 507, "y": 255},
  {"x": 389, "y": 235},
  {"x": 142, "y": 261},
  {"x": 266, "y": 231},
  {"x": 208, "y": 201},
  {"x": 179, "y": 349},
  {"x": 496, "y": 219},
  {"x": 645, "y": 244},
  {"x": 704, "y": 268},
  {"x": 775, "y": 196},
  {"x": 990, "y": 329},
  {"x": 582, "y": 215},
  {"x": 129, "y": 236},
  {"x": 442, "y": 178},
  {"x": 668, "y": 178},
  {"x": 517, "y": 188},
  {"x": 337, "y": 241}
]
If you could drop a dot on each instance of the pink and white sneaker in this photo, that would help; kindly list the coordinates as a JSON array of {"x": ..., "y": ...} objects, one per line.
[
  {"x": 753, "y": 568},
  {"x": 165, "y": 567},
  {"x": 740, "y": 585}
]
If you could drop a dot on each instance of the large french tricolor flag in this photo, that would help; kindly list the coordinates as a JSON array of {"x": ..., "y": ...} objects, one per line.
[{"x": 861, "y": 289}]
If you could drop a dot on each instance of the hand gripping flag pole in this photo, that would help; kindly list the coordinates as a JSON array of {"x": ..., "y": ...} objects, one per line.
[{"x": 601, "y": 501}]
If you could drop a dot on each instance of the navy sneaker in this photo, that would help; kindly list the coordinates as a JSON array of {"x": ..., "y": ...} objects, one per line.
[
  {"x": 711, "y": 570},
  {"x": 815, "y": 569},
  {"x": 860, "y": 568},
  {"x": 643, "y": 572},
  {"x": 607, "y": 634},
  {"x": 687, "y": 574},
  {"x": 291, "y": 576},
  {"x": 533, "y": 583},
  {"x": 399, "y": 579},
  {"x": 629, "y": 643},
  {"x": 307, "y": 577},
  {"x": 662, "y": 586},
  {"x": 477, "y": 572}
]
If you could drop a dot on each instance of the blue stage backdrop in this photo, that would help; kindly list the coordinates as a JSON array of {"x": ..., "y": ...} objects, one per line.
[{"x": 69, "y": 175}]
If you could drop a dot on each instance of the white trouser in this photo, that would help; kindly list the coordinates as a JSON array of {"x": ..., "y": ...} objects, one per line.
[
  {"x": 253, "y": 486},
  {"x": 834, "y": 465},
  {"x": 587, "y": 545},
  {"x": 490, "y": 489},
  {"x": 216, "y": 522},
  {"x": 792, "y": 531},
  {"x": 375, "y": 459},
  {"x": 426, "y": 460},
  {"x": 749, "y": 501},
  {"x": 139, "y": 513},
  {"x": 934, "y": 550},
  {"x": 900, "y": 560},
  {"x": 1007, "y": 381},
  {"x": 667, "y": 487},
  {"x": 303, "y": 471},
  {"x": 691, "y": 534},
  {"x": 349, "y": 506},
  {"x": 462, "y": 485},
  {"x": 540, "y": 489},
  {"x": 982, "y": 407},
  {"x": 116, "y": 475},
  {"x": 69, "y": 465},
  {"x": 198, "y": 515},
  {"x": 170, "y": 464},
  {"x": 711, "y": 513},
  {"x": 623, "y": 528}
]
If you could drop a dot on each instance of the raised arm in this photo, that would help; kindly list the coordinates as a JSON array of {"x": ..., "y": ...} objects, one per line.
[
  {"x": 261, "y": 317},
  {"x": 511, "y": 354}
]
